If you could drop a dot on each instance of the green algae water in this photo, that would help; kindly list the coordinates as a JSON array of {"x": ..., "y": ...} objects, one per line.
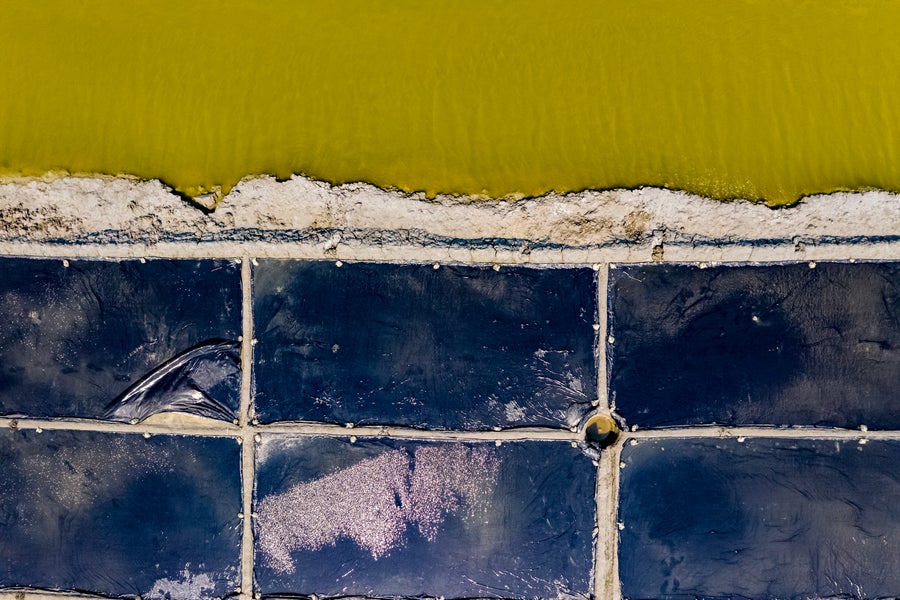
[{"x": 758, "y": 99}]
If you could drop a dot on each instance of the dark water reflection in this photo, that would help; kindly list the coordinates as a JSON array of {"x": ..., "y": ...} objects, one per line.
[
  {"x": 762, "y": 518},
  {"x": 75, "y": 337},
  {"x": 452, "y": 348},
  {"x": 452, "y": 519},
  {"x": 120, "y": 514},
  {"x": 768, "y": 345}
]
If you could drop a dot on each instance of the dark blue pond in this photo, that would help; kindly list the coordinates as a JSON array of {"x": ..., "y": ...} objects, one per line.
[
  {"x": 118, "y": 514},
  {"x": 448, "y": 348},
  {"x": 771, "y": 345},
  {"x": 765, "y": 518},
  {"x": 452, "y": 519},
  {"x": 119, "y": 340}
]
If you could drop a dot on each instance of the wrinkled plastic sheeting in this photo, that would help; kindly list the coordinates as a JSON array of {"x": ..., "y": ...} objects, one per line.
[
  {"x": 449, "y": 348},
  {"x": 204, "y": 381},
  {"x": 74, "y": 335},
  {"x": 766, "y": 518},
  {"x": 786, "y": 344},
  {"x": 406, "y": 519},
  {"x": 120, "y": 515}
]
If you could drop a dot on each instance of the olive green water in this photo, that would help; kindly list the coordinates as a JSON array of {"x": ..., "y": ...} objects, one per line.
[{"x": 760, "y": 99}]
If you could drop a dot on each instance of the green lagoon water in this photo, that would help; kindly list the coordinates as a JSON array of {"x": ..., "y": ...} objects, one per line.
[{"x": 758, "y": 99}]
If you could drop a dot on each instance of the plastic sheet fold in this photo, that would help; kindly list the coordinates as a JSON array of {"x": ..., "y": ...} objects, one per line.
[
  {"x": 203, "y": 381},
  {"x": 76, "y": 334}
]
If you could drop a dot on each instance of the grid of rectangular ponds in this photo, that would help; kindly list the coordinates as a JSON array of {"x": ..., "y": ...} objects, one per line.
[{"x": 415, "y": 430}]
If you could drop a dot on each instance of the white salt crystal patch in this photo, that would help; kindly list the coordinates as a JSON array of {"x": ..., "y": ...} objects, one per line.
[
  {"x": 513, "y": 412},
  {"x": 200, "y": 586},
  {"x": 375, "y": 501},
  {"x": 446, "y": 480},
  {"x": 356, "y": 503}
]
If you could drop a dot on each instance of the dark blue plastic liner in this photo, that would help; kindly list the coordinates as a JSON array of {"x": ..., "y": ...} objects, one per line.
[
  {"x": 766, "y": 518},
  {"x": 396, "y": 518},
  {"x": 770, "y": 345},
  {"x": 204, "y": 381},
  {"x": 74, "y": 339},
  {"x": 448, "y": 348},
  {"x": 118, "y": 514}
]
